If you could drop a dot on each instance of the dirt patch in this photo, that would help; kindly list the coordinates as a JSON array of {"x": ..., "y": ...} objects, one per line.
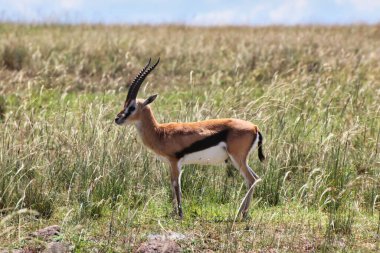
[
  {"x": 47, "y": 233},
  {"x": 158, "y": 245},
  {"x": 57, "y": 247},
  {"x": 168, "y": 236},
  {"x": 46, "y": 242}
]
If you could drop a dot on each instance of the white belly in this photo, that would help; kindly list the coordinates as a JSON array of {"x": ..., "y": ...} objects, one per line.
[{"x": 214, "y": 155}]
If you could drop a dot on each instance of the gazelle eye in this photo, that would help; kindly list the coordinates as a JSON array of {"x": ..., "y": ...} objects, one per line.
[{"x": 131, "y": 109}]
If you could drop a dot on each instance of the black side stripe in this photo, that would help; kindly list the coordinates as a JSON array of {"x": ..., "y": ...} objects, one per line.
[{"x": 205, "y": 143}]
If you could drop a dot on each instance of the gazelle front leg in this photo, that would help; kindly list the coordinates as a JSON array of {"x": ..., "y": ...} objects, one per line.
[{"x": 175, "y": 175}]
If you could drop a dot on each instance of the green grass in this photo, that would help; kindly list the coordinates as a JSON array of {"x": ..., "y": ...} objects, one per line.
[{"x": 313, "y": 91}]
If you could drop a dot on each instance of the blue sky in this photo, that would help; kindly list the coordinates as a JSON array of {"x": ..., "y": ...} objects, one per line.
[{"x": 207, "y": 12}]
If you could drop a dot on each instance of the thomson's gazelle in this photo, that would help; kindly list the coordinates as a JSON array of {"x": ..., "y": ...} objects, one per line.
[{"x": 206, "y": 142}]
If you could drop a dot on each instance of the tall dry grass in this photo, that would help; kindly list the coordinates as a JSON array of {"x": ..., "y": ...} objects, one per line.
[{"x": 314, "y": 92}]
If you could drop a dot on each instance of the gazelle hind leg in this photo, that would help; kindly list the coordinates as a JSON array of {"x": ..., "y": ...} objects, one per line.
[
  {"x": 250, "y": 190},
  {"x": 250, "y": 179}
]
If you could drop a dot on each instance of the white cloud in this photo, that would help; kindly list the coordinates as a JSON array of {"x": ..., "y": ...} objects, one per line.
[
  {"x": 361, "y": 5},
  {"x": 241, "y": 15},
  {"x": 290, "y": 12},
  {"x": 283, "y": 12},
  {"x": 70, "y": 4},
  {"x": 215, "y": 18},
  {"x": 206, "y": 12},
  {"x": 34, "y": 10}
]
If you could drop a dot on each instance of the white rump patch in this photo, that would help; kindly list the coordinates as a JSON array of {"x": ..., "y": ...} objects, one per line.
[
  {"x": 254, "y": 145},
  {"x": 210, "y": 156}
]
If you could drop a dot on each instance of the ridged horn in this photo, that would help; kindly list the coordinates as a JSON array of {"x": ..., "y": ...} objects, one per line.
[{"x": 134, "y": 89}]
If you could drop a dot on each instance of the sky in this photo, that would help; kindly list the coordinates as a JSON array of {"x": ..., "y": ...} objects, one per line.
[{"x": 195, "y": 12}]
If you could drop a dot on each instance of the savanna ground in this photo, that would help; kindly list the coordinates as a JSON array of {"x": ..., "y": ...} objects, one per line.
[{"x": 313, "y": 91}]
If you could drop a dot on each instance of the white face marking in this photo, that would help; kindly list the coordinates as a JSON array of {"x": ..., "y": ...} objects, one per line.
[
  {"x": 124, "y": 118},
  {"x": 210, "y": 156},
  {"x": 131, "y": 109}
]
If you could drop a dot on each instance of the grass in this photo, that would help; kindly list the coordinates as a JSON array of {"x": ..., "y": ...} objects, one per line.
[{"x": 313, "y": 91}]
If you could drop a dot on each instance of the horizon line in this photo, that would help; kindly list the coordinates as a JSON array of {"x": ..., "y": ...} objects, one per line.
[{"x": 184, "y": 24}]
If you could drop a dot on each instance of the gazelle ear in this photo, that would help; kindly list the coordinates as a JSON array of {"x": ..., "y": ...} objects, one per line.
[{"x": 150, "y": 99}]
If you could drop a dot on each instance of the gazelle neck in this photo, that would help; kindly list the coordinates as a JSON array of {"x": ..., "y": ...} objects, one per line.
[{"x": 147, "y": 128}]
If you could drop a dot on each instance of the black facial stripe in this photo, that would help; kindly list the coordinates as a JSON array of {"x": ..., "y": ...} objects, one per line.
[
  {"x": 205, "y": 143},
  {"x": 126, "y": 114},
  {"x": 128, "y": 111}
]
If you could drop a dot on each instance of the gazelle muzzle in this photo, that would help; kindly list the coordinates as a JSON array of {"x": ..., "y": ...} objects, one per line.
[
  {"x": 129, "y": 108},
  {"x": 120, "y": 119}
]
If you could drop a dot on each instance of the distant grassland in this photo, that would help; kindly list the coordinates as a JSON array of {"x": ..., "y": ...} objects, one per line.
[{"x": 313, "y": 91}]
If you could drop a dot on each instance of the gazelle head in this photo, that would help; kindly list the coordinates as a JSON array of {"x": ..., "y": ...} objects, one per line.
[{"x": 132, "y": 106}]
